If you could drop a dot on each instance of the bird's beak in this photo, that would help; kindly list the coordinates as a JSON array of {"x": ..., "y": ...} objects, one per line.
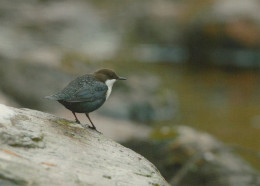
[{"x": 121, "y": 78}]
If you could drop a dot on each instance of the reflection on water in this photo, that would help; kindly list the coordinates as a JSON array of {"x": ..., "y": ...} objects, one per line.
[{"x": 223, "y": 103}]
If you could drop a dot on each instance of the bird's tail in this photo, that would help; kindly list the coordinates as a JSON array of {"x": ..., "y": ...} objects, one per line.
[{"x": 52, "y": 97}]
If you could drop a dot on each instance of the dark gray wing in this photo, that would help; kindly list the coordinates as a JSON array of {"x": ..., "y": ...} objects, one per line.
[
  {"x": 89, "y": 92},
  {"x": 83, "y": 88}
]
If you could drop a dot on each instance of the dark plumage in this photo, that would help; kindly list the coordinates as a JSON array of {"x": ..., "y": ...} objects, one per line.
[{"x": 87, "y": 93}]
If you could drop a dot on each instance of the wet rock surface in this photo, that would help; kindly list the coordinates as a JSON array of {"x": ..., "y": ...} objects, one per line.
[
  {"x": 189, "y": 157},
  {"x": 41, "y": 149}
]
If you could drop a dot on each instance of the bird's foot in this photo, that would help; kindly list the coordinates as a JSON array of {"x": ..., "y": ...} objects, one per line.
[
  {"x": 94, "y": 128},
  {"x": 84, "y": 125},
  {"x": 77, "y": 121}
]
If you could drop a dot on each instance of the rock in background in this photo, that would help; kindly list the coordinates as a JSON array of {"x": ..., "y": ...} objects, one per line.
[
  {"x": 146, "y": 31},
  {"x": 43, "y": 31},
  {"x": 28, "y": 84},
  {"x": 188, "y": 157},
  {"x": 228, "y": 33}
]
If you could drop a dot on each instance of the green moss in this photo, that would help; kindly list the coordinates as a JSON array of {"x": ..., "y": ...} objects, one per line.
[
  {"x": 22, "y": 117},
  {"x": 31, "y": 145},
  {"x": 154, "y": 184},
  {"x": 68, "y": 133},
  {"x": 63, "y": 121},
  {"x": 38, "y": 138}
]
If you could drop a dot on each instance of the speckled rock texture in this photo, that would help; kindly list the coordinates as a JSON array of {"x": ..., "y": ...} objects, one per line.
[{"x": 37, "y": 148}]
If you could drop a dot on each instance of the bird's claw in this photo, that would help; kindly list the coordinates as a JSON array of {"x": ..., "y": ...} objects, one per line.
[{"x": 94, "y": 128}]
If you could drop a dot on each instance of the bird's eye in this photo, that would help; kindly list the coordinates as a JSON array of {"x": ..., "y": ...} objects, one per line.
[{"x": 111, "y": 76}]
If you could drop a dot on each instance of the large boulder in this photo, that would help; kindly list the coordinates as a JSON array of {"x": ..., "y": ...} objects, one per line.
[
  {"x": 185, "y": 156},
  {"x": 41, "y": 149}
]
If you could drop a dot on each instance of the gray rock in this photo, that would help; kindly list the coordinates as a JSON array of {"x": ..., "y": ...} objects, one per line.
[
  {"x": 28, "y": 84},
  {"x": 41, "y": 149},
  {"x": 225, "y": 11},
  {"x": 189, "y": 157},
  {"x": 34, "y": 28},
  {"x": 209, "y": 160}
]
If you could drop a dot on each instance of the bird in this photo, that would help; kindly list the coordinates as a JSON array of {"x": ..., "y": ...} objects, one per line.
[{"x": 87, "y": 93}]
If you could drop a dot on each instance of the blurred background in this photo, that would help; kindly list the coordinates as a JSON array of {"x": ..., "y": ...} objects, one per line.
[{"x": 188, "y": 62}]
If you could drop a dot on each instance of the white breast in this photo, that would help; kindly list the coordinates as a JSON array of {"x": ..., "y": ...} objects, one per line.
[{"x": 109, "y": 84}]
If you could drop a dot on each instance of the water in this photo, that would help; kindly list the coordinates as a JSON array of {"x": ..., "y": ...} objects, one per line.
[{"x": 225, "y": 104}]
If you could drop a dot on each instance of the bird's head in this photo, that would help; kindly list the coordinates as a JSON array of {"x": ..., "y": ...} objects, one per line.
[{"x": 107, "y": 76}]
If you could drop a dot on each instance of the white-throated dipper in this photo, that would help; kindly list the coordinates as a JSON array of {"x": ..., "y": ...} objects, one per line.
[{"x": 87, "y": 93}]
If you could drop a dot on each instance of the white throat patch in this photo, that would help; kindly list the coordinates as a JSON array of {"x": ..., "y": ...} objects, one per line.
[{"x": 109, "y": 84}]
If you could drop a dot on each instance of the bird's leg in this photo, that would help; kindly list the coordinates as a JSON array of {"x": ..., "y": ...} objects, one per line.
[
  {"x": 76, "y": 118},
  {"x": 93, "y": 126}
]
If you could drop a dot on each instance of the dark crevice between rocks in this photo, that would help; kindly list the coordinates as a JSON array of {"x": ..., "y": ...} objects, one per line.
[
  {"x": 145, "y": 175},
  {"x": 108, "y": 177}
]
